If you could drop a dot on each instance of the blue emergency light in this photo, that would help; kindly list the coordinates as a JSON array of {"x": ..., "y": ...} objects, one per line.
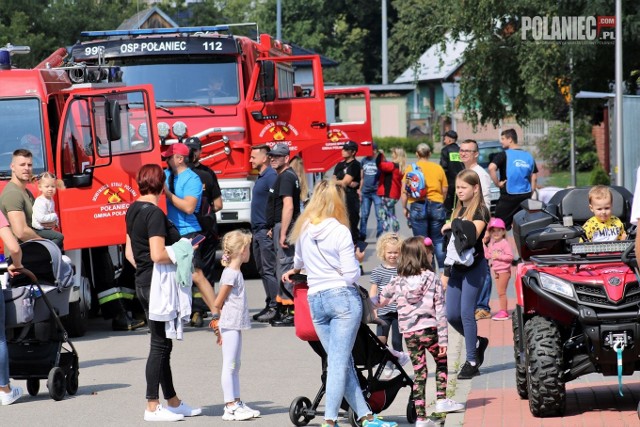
[
  {"x": 154, "y": 31},
  {"x": 7, "y": 51}
]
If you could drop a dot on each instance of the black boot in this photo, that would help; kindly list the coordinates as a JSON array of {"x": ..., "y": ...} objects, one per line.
[
  {"x": 286, "y": 319},
  {"x": 124, "y": 322}
]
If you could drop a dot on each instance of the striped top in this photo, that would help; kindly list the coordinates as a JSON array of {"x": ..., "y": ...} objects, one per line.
[{"x": 380, "y": 276}]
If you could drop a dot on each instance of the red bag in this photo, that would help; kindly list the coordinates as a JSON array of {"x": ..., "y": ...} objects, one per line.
[{"x": 302, "y": 319}]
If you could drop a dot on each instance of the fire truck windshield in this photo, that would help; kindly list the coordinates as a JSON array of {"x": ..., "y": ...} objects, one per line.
[
  {"x": 200, "y": 83},
  {"x": 21, "y": 125}
]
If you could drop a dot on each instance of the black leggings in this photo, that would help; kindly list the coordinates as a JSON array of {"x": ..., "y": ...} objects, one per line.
[{"x": 158, "y": 370}]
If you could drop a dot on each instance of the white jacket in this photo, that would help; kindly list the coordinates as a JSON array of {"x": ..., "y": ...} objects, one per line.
[
  {"x": 168, "y": 301},
  {"x": 333, "y": 254}
]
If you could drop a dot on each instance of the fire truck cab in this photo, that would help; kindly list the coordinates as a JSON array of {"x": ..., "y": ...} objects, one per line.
[
  {"x": 232, "y": 92},
  {"x": 94, "y": 135}
]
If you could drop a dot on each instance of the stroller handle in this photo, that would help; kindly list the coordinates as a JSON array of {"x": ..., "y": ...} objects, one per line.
[{"x": 32, "y": 277}]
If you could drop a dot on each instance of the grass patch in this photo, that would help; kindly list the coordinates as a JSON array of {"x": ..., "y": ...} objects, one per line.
[{"x": 563, "y": 179}]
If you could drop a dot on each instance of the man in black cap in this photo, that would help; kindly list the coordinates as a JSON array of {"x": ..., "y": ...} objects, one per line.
[
  {"x": 283, "y": 208},
  {"x": 210, "y": 203},
  {"x": 450, "y": 162},
  {"x": 348, "y": 173}
]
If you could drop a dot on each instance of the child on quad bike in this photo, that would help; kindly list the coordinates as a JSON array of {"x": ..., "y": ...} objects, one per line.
[{"x": 602, "y": 226}]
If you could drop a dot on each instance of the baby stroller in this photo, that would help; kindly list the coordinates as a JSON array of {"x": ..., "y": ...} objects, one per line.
[
  {"x": 38, "y": 343},
  {"x": 370, "y": 356}
]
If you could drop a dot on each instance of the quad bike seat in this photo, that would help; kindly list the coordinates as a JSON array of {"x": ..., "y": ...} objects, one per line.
[{"x": 574, "y": 202}]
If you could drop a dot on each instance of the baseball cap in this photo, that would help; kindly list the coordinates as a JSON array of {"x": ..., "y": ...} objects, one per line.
[
  {"x": 351, "y": 146},
  {"x": 496, "y": 223},
  {"x": 194, "y": 143},
  {"x": 177, "y": 148},
  {"x": 279, "y": 150}
]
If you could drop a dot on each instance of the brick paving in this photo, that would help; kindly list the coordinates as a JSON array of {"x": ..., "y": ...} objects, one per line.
[{"x": 492, "y": 400}]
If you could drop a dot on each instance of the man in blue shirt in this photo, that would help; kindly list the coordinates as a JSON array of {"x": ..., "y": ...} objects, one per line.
[
  {"x": 264, "y": 253},
  {"x": 183, "y": 189},
  {"x": 368, "y": 194}
]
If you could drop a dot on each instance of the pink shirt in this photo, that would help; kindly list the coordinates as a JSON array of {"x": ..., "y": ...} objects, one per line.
[
  {"x": 420, "y": 301},
  {"x": 499, "y": 255}
]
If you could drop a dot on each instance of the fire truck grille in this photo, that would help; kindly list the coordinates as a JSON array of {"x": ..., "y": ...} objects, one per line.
[{"x": 596, "y": 295}]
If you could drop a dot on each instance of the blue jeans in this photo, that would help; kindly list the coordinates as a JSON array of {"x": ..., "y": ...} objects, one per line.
[
  {"x": 485, "y": 292},
  {"x": 462, "y": 294},
  {"x": 427, "y": 220},
  {"x": 336, "y": 315},
  {"x": 4, "y": 352},
  {"x": 365, "y": 208}
]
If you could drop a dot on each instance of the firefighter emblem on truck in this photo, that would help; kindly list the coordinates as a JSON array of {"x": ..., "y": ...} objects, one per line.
[
  {"x": 114, "y": 199},
  {"x": 279, "y": 132}
]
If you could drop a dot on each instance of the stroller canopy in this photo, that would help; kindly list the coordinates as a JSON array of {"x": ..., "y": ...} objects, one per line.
[{"x": 44, "y": 259}]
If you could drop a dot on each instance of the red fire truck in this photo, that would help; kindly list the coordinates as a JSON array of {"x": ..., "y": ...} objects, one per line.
[
  {"x": 94, "y": 135},
  {"x": 233, "y": 93}
]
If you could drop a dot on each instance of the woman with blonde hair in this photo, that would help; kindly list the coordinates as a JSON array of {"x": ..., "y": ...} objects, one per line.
[
  {"x": 324, "y": 248},
  {"x": 390, "y": 187},
  {"x": 298, "y": 167}
]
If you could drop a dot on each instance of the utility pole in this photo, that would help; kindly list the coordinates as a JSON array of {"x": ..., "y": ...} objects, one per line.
[
  {"x": 385, "y": 71},
  {"x": 618, "y": 109},
  {"x": 279, "y": 19},
  {"x": 571, "y": 125}
]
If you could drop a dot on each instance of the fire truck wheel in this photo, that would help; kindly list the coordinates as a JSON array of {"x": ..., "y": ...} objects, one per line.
[
  {"x": 521, "y": 368},
  {"x": 77, "y": 321},
  {"x": 547, "y": 394}
]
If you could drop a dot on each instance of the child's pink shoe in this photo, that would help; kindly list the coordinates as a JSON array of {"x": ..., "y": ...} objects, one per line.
[{"x": 501, "y": 315}]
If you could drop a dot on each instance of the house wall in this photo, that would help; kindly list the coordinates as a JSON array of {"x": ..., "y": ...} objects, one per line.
[{"x": 388, "y": 114}]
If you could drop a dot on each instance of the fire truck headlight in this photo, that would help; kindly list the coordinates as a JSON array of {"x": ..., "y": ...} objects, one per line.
[
  {"x": 180, "y": 129},
  {"x": 143, "y": 130},
  {"x": 236, "y": 194},
  {"x": 163, "y": 129}
]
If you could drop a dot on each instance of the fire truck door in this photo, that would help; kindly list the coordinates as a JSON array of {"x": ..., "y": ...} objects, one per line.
[
  {"x": 352, "y": 107},
  {"x": 282, "y": 111},
  {"x": 105, "y": 139}
]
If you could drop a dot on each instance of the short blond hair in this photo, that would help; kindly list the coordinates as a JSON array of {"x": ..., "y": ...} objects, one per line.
[
  {"x": 393, "y": 239},
  {"x": 600, "y": 192},
  {"x": 233, "y": 243}
]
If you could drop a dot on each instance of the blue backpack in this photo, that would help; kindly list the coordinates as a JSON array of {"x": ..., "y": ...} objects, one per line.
[{"x": 415, "y": 183}]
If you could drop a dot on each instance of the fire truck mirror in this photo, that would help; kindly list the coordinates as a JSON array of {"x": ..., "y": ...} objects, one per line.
[
  {"x": 267, "y": 81},
  {"x": 112, "y": 109}
]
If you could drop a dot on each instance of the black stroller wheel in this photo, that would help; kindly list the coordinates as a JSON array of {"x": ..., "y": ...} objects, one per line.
[
  {"x": 56, "y": 383},
  {"x": 412, "y": 415},
  {"x": 33, "y": 386},
  {"x": 72, "y": 381},
  {"x": 298, "y": 411}
]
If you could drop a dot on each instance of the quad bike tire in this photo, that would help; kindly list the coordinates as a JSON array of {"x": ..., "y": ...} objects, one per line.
[
  {"x": 521, "y": 368},
  {"x": 546, "y": 388}
]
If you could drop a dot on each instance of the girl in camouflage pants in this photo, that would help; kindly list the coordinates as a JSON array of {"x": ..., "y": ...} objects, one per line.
[{"x": 419, "y": 296}]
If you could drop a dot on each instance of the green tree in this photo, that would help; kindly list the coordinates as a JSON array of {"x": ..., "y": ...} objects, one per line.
[
  {"x": 504, "y": 74},
  {"x": 554, "y": 149}
]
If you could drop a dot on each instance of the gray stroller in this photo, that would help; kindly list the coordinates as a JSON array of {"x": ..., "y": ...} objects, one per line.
[{"x": 39, "y": 347}]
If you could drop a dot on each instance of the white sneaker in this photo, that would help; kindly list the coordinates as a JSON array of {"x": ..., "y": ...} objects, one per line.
[
  {"x": 448, "y": 405},
  {"x": 236, "y": 412},
  {"x": 255, "y": 412},
  {"x": 426, "y": 423},
  {"x": 403, "y": 358},
  {"x": 162, "y": 414},
  {"x": 12, "y": 396},
  {"x": 185, "y": 410},
  {"x": 387, "y": 372}
]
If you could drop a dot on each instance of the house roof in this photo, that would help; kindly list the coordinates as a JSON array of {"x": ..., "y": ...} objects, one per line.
[
  {"x": 299, "y": 50},
  {"x": 136, "y": 21},
  {"x": 436, "y": 63}
]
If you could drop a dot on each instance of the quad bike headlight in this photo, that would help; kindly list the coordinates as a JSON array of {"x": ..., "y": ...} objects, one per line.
[{"x": 555, "y": 285}]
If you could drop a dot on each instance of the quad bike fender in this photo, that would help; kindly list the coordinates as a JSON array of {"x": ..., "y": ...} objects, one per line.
[
  {"x": 519, "y": 341},
  {"x": 521, "y": 271}
]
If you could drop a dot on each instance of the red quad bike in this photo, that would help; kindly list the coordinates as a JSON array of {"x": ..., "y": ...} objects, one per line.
[{"x": 578, "y": 304}]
